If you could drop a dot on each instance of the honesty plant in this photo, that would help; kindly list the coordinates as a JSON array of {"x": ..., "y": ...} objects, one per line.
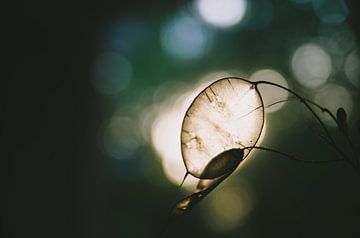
[{"x": 223, "y": 125}]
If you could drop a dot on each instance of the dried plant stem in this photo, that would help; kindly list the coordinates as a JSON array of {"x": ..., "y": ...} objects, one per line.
[
  {"x": 292, "y": 157},
  {"x": 304, "y": 101},
  {"x": 328, "y": 139},
  {"x": 325, "y": 110}
]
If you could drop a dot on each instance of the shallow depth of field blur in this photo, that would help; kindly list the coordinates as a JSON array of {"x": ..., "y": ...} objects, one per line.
[{"x": 150, "y": 65}]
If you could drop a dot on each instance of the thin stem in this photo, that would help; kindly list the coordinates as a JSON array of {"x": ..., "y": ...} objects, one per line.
[
  {"x": 304, "y": 101},
  {"x": 277, "y": 102},
  {"x": 267, "y": 106},
  {"x": 305, "y": 161},
  {"x": 340, "y": 151},
  {"x": 290, "y": 156},
  {"x": 183, "y": 180},
  {"x": 325, "y": 110}
]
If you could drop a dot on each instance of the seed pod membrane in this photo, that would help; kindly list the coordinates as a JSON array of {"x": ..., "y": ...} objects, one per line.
[{"x": 221, "y": 117}]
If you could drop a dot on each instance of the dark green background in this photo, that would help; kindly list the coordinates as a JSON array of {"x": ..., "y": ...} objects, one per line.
[{"x": 57, "y": 183}]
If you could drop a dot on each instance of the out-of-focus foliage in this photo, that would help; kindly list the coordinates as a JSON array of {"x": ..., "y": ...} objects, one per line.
[{"x": 152, "y": 63}]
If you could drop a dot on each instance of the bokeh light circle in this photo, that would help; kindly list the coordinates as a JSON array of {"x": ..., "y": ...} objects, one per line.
[
  {"x": 165, "y": 134},
  {"x": 185, "y": 38},
  {"x": 166, "y": 144},
  {"x": 228, "y": 208},
  {"x": 222, "y": 14},
  {"x": 352, "y": 67},
  {"x": 311, "y": 65},
  {"x": 341, "y": 42},
  {"x": 334, "y": 96}
]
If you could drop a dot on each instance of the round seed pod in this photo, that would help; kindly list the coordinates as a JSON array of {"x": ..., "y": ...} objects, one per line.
[{"x": 228, "y": 114}]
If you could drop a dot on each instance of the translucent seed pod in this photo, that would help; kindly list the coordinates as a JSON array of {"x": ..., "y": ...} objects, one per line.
[{"x": 228, "y": 114}]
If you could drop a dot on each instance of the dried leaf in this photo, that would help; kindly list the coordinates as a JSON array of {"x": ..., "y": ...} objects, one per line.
[
  {"x": 221, "y": 165},
  {"x": 225, "y": 162},
  {"x": 220, "y": 118},
  {"x": 187, "y": 203}
]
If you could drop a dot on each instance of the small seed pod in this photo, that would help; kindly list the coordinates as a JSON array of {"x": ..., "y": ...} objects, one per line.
[{"x": 341, "y": 120}]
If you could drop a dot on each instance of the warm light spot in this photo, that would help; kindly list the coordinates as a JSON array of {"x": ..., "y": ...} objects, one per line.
[
  {"x": 333, "y": 97},
  {"x": 352, "y": 68},
  {"x": 271, "y": 94},
  {"x": 185, "y": 38},
  {"x": 165, "y": 135},
  {"x": 111, "y": 73},
  {"x": 311, "y": 65},
  {"x": 165, "y": 138},
  {"x": 223, "y": 14},
  {"x": 228, "y": 208}
]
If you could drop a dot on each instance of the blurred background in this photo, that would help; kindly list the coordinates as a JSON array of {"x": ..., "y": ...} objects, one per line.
[{"x": 94, "y": 93}]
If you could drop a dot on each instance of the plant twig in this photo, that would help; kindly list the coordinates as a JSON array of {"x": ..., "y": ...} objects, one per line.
[
  {"x": 325, "y": 110},
  {"x": 290, "y": 156},
  {"x": 305, "y": 102}
]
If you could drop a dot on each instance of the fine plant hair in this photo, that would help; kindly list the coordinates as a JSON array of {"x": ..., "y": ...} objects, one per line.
[{"x": 224, "y": 164}]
